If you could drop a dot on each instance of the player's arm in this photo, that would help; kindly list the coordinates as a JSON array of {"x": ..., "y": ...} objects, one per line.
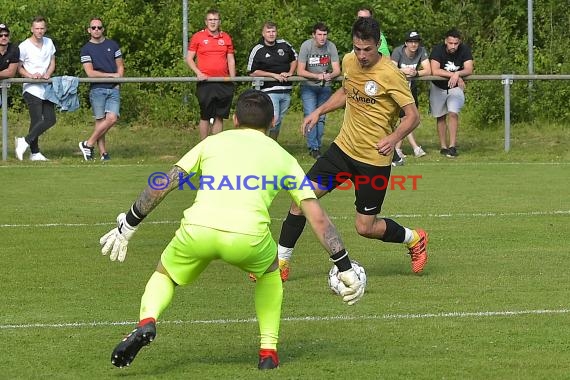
[
  {"x": 336, "y": 101},
  {"x": 116, "y": 241},
  {"x": 408, "y": 123},
  {"x": 328, "y": 236},
  {"x": 153, "y": 195}
]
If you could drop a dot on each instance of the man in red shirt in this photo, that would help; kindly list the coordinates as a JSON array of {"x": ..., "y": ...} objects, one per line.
[{"x": 214, "y": 51}]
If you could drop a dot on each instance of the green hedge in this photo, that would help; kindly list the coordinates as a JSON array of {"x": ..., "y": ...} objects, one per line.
[{"x": 150, "y": 34}]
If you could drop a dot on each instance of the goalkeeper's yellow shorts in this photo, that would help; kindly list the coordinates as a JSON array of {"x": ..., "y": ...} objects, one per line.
[{"x": 193, "y": 247}]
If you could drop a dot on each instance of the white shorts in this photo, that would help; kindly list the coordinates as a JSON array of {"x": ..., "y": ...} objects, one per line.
[{"x": 442, "y": 102}]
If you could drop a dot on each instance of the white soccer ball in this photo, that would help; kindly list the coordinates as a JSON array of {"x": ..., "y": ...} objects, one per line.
[{"x": 337, "y": 285}]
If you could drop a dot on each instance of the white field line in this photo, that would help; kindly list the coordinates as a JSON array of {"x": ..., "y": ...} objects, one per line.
[
  {"x": 445, "y": 215},
  {"x": 167, "y": 165},
  {"x": 477, "y": 314}
]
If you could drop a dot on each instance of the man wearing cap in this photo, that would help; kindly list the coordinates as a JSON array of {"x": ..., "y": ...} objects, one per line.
[
  {"x": 452, "y": 60},
  {"x": 9, "y": 55},
  {"x": 412, "y": 59}
]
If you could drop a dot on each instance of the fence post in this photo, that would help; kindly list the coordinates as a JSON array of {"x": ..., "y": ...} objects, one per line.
[
  {"x": 4, "y": 85},
  {"x": 258, "y": 82},
  {"x": 507, "y": 80}
]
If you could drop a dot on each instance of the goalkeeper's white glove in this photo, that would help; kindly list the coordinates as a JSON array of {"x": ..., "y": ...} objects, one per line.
[
  {"x": 117, "y": 240},
  {"x": 354, "y": 287}
]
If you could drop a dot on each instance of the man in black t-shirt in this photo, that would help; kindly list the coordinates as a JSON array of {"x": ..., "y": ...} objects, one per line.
[
  {"x": 452, "y": 60},
  {"x": 274, "y": 58},
  {"x": 9, "y": 55}
]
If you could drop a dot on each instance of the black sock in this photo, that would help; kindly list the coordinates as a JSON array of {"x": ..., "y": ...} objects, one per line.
[
  {"x": 394, "y": 232},
  {"x": 291, "y": 230}
]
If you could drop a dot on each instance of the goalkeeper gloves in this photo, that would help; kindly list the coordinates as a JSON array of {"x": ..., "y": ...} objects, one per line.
[
  {"x": 354, "y": 287},
  {"x": 116, "y": 241}
]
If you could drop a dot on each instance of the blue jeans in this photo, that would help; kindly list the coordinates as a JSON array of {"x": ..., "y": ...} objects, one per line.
[
  {"x": 313, "y": 97},
  {"x": 281, "y": 104},
  {"x": 105, "y": 100}
]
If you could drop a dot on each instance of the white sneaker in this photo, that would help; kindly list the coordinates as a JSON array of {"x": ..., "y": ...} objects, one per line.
[
  {"x": 400, "y": 153},
  {"x": 419, "y": 152},
  {"x": 38, "y": 157},
  {"x": 21, "y": 147}
]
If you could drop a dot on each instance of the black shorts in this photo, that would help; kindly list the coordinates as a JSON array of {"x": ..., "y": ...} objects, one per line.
[
  {"x": 336, "y": 170},
  {"x": 215, "y": 99}
]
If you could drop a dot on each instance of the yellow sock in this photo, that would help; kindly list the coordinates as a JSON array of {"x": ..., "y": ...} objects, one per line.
[
  {"x": 268, "y": 299},
  {"x": 157, "y": 296}
]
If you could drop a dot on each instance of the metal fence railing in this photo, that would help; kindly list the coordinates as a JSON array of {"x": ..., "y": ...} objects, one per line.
[{"x": 506, "y": 81}]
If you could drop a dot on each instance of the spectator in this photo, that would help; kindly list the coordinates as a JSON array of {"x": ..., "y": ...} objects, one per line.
[
  {"x": 274, "y": 58},
  {"x": 318, "y": 62},
  {"x": 227, "y": 224},
  {"x": 452, "y": 60},
  {"x": 383, "y": 48},
  {"x": 214, "y": 51},
  {"x": 9, "y": 55},
  {"x": 37, "y": 61},
  {"x": 101, "y": 58},
  {"x": 372, "y": 94},
  {"x": 412, "y": 59}
]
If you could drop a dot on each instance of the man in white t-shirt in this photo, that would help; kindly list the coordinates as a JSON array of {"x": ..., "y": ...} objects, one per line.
[{"x": 37, "y": 61}]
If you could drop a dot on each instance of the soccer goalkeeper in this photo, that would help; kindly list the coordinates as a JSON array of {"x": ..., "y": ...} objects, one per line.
[{"x": 227, "y": 224}]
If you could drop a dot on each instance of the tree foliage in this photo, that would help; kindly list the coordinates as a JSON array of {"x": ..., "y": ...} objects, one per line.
[{"x": 150, "y": 34}]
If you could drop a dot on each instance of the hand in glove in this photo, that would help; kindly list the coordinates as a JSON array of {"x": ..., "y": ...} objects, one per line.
[
  {"x": 354, "y": 287},
  {"x": 117, "y": 240}
]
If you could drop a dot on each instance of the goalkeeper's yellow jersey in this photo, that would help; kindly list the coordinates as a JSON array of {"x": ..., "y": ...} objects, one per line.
[
  {"x": 238, "y": 173},
  {"x": 374, "y": 96}
]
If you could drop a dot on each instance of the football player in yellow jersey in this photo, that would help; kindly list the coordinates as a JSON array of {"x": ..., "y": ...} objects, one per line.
[{"x": 373, "y": 92}]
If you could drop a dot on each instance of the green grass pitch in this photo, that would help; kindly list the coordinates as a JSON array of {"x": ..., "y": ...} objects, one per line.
[{"x": 492, "y": 303}]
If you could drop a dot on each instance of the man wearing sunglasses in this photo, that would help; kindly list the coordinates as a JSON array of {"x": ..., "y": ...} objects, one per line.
[
  {"x": 101, "y": 58},
  {"x": 9, "y": 55}
]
